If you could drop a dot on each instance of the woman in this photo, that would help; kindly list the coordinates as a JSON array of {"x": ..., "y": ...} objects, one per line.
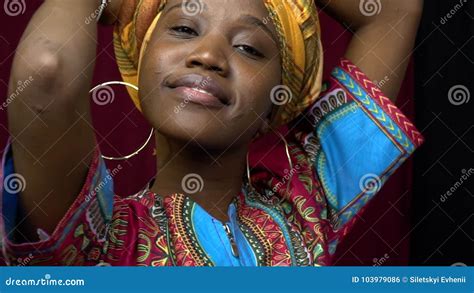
[{"x": 282, "y": 179}]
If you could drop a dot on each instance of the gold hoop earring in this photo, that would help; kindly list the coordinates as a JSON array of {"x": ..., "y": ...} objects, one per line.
[
  {"x": 290, "y": 163},
  {"x": 137, "y": 151}
]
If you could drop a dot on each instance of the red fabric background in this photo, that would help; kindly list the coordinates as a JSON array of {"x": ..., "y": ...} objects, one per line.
[{"x": 382, "y": 233}]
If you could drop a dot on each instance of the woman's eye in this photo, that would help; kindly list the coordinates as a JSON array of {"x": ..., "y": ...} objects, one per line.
[
  {"x": 184, "y": 30},
  {"x": 250, "y": 50}
]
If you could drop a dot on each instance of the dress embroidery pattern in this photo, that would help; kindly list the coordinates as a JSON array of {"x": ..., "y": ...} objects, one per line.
[{"x": 293, "y": 217}]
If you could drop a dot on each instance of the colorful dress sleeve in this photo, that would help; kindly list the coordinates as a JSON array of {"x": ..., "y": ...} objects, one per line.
[
  {"x": 79, "y": 238},
  {"x": 355, "y": 138},
  {"x": 99, "y": 228}
]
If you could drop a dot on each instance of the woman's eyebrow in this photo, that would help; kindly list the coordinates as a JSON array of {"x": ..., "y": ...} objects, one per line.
[
  {"x": 246, "y": 18},
  {"x": 252, "y": 20}
]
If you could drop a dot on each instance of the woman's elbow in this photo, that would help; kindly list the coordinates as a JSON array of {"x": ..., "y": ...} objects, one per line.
[{"x": 35, "y": 77}]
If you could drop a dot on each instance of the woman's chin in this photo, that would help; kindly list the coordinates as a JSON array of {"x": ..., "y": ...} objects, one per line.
[
  {"x": 195, "y": 124},
  {"x": 210, "y": 137}
]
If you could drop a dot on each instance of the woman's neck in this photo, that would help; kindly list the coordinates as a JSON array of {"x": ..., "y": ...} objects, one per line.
[{"x": 210, "y": 178}]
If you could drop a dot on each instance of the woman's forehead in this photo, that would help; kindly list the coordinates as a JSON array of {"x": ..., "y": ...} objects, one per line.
[{"x": 255, "y": 8}]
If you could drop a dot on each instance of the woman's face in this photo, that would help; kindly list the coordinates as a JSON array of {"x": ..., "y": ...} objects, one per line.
[{"x": 207, "y": 74}]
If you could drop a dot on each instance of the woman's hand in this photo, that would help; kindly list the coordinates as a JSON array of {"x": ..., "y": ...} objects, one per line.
[{"x": 384, "y": 36}]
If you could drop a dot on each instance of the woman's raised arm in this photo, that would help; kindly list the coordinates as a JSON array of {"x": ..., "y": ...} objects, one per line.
[
  {"x": 384, "y": 36},
  {"x": 50, "y": 121}
]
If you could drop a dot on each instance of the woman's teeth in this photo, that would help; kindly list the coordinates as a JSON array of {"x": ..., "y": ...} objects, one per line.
[{"x": 202, "y": 91}]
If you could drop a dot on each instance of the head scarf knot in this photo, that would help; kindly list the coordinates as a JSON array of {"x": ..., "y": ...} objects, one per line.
[{"x": 298, "y": 30}]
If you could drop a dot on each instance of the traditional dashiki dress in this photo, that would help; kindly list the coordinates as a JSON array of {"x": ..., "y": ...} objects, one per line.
[{"x": 352, "y": 135}]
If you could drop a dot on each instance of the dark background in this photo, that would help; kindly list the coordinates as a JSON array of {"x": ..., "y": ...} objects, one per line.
[
  {"x": 444, "y": 231},
  {"x": 401, "y": 226}
]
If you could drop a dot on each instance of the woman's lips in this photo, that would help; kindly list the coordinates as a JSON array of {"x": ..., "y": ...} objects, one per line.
[
  {"x": 199, "y": 89},
  {"x": 199, "y": 96}
]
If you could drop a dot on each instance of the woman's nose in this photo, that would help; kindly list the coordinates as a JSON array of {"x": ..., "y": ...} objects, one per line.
[{"x": 210, "y": 56}]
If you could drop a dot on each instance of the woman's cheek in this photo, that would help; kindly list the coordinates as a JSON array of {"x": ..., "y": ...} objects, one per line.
[{"x": 260, "y": 89}]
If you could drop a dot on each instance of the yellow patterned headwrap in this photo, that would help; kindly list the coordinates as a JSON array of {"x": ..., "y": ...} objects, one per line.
[{"x": 298, "y": 29}]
